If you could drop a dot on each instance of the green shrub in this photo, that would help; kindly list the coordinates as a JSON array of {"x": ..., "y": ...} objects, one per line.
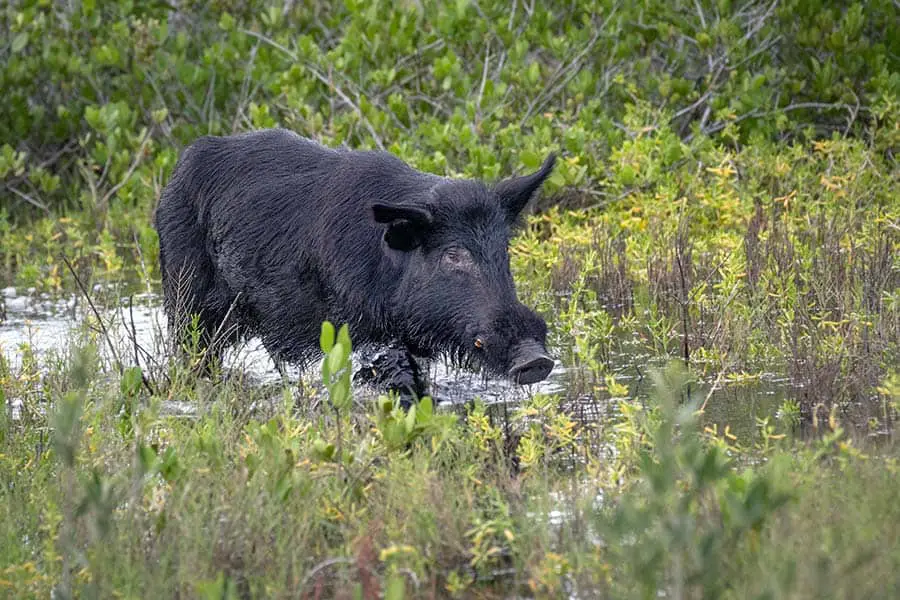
[{"x": 100, "y": 95}]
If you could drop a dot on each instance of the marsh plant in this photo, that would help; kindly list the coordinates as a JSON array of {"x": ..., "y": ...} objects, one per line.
[{"x": 104, "y": 493}]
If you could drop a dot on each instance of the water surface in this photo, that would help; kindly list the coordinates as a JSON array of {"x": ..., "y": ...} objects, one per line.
[{"x": 43, "y": 325}]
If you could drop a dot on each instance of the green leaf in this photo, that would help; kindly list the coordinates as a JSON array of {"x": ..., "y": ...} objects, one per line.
[
  {"x": 530, "y": 158},
  {"x": 394, "y": 434},
  {"x": 345, "y": 379},
  {"x": 557, "y": 178},
  {"x": 131, "y": 381},
  {"x": 326, "y": 372},
  {"x": 342, "y": 350},
  {"x": 395, "y": 588},
  {"x": 323, "y": 450},
  {"x": 160, "y": 115},
  {"x": 284, "y": 486},
  {"x": 146, "y": 457},
  {"x": 411, "y": 419},
  {"x": 326, "y": 337},
  {"x": 343, "y": 337},
  {"x": 226, "y": 22},
  {"x": 170, "y": 468},
  {"x": 386, "y": 403},
  {"x": 19, "y": 42},
  {"x": 339, "y": 397},
  {"x": 426, "y": 409},
  {"x": 336, "y": 358}
]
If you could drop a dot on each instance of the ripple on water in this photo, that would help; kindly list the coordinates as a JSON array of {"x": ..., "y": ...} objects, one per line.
[{"x": 46, "y": 326}]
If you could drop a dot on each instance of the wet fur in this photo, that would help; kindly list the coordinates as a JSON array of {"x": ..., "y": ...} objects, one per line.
[{"x": 276, "y": 233}]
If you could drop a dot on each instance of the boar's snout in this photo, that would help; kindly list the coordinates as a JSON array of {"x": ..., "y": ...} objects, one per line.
[{"x": 530, "y": 363}]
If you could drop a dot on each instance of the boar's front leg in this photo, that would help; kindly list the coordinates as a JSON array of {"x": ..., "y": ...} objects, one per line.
[{"x": 391, "y": 367}]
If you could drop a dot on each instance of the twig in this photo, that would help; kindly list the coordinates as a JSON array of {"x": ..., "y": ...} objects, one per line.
[
  {"x": 209, "y": 102},
  {"x": 333, "y": 86},
  {"x": 28, "y": 199},
  {"x": 717, "y": 127},
  {"x": 411, "y": 574},
  {"x": 713, "y": 86},
  {"x": 679, "y": 259},
  {"x": 245, "y": 86},
  {"x": 487, "y": 21},
  {"x": 821, "y": 106},
  {"x": 760, "y": 22},
  {"x": 487, "y": 59},
  {"x": 104, "y": 331},
  {"x": 167, "y": 131},
  {"x": 324, "y": 565},
  {"x": 790, "y": 108},
  {"x": 134, "y": 165},
  {"x": 137, "y": 347},
  {"x": 712, "y": 390},
  {"x": 105, "y": 171},
  {"x": 140, "y": 253},
  {"x": 137, "y": 358},
  {"x": 418, "y": 52},
  {"x": 215, "y": 337},
  {"x": 570, "y": 70},
  {"x": 761, "y": 47},
  {"x": 325, "y": 80},
  {"x": 50, "y": 160}
]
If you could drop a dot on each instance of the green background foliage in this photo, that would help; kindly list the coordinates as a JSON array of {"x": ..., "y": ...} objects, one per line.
[{"x": 99, "y": 97}]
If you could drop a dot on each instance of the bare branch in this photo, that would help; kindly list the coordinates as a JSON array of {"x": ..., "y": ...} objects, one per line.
[
  {"x": 138, "y": 159},
  {"x": 487, "y": 60},
  {"x": 756, "y": 113},
  {"x": 709, "y": 90},
  {"x": 566, "y": 72},
  {"x": 112, "y": 349},
  {"x": 325, "y": 80},
  {"x": 29, "y": 199},
  {"x": 760, "y": 22}
]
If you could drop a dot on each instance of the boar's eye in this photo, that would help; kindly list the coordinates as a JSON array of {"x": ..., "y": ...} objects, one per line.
[{"x": 458, "y": 259}]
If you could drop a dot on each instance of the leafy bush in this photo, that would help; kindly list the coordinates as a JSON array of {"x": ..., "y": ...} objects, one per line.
[
  {"x": 123, "y": 497},
  {"x": 100, "y": 95}
]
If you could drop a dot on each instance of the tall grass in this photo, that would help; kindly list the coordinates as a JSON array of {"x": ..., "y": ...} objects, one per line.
[{"x": 104, "y": 493}]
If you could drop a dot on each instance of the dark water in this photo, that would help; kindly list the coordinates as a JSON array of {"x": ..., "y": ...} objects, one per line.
[{"x": 43, "y": 325}]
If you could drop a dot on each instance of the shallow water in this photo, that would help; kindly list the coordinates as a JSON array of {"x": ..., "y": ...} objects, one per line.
[{"x": 43, "y": 325}]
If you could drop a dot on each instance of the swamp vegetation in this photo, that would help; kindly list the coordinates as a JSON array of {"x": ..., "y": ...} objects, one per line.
[{"x": 717, "y": 256}]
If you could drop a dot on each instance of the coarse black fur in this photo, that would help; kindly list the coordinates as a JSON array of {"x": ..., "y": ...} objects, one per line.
[{"x": 268, "y": 233}]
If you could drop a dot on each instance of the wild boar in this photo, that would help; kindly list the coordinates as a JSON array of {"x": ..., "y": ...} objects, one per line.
[{"x": 268, "y": 234}]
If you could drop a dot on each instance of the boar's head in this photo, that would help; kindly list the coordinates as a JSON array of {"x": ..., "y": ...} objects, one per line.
[{"x": 455, "y": 293}]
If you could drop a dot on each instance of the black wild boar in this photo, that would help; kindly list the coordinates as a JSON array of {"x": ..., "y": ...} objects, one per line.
[{"x": 268, "y": 233}]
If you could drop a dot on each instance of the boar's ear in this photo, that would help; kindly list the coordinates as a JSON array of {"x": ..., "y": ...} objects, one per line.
[
  {"x": 406, "y": 225},
  {"x": 517, "y": 191}
]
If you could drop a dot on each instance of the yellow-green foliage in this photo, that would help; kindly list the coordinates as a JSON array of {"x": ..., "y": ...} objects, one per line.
[
  {"x": 100, "y": 96},
  {"x": 123, "y": 498}
]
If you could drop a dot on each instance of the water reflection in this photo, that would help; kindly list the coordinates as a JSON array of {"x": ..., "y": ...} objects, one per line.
[{"x": 46, "y": 324}]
